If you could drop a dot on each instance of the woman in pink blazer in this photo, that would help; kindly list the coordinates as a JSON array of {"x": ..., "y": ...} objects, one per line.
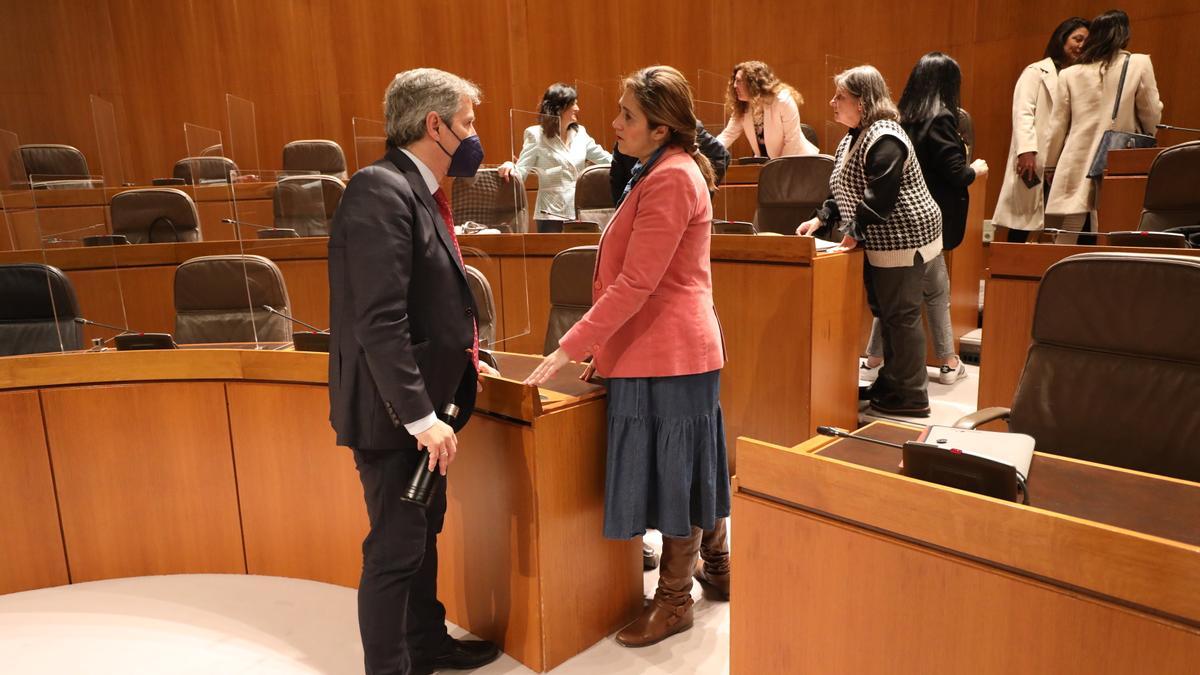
[
  {"x": 766, "y": 111},
  {"x": 653, "y": 333}
]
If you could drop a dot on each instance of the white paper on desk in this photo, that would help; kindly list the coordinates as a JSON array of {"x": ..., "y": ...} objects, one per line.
[{"x": 825, "y": 244}]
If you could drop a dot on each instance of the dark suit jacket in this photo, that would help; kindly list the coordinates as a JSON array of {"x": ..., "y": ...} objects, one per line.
[
  {"x": 622, "y": 164},
  {"x": 401, "y": 313},
  {"x": 943, "y": 158}
]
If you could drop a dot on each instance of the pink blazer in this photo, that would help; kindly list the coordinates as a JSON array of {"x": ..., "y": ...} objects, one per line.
[
  {"x": 781, "y": 129},
  {"x": 652, "y": 313}
]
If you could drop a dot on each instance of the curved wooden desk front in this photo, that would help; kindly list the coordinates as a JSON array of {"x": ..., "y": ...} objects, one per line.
[{"x": 121, "y": 464}]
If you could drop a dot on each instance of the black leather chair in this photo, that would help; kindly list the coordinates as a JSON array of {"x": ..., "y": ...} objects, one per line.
[
  {"x": 37, "y": 310},
  {"x": 315, "y": 156},
  {"x": 593, "y": 196},
  {"x": 220, "y": 298},
  {"x": 306, "y": 203},
  {"x": 790, "y": 189},
  {"x": 1113, "y": 371},
  {"x": 206, "y": 169},
  {"x": 733, "y": 227},
  {"x": 1172, "y": 199},
  {"x": 50, "y": 166},
  {"x": 570, "y": 291},
  {"x": 491, "y": 201},
  {"x": 155, "y": 215},
  {"x": 581, "y": 227},
  {"x": 1148, "y": 239}
]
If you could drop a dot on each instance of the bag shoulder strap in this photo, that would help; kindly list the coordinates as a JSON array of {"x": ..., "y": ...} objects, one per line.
[{"x": 1120, "y": 88}]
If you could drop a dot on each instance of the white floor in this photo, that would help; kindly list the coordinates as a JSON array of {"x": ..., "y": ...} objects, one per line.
[{"x": 233, "y": 624}]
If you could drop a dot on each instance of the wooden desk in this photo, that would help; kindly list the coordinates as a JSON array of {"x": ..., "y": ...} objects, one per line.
[
  {"x": 1014, "y": 273},
  {"x": 1123, "y": 189},
  {"x": 844, "y": 566},
  {"x": 223, "y": 461},
  {"x": 789, "y": 316},
  {"x": 31, "y": 215}
]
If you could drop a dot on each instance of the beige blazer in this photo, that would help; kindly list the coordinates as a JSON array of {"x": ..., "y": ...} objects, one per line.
[
  {"x": 1020, "y": 207},
  {"x": 1082, "y": 110},
  {"x": 558, "y": 164},
  {"x": 781, "y": 129}
]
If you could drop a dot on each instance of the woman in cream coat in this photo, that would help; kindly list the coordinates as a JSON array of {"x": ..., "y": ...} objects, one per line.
[
  {"x": 558, "y": 150},
  {"x": 766, "y": 111},
  {"x": 1021, "y": 208},
  {"x": 1083, "y": 110}
]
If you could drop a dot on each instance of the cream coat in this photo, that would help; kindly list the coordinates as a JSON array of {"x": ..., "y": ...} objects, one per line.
[
  {"x": 1082, "y": 112},
  {"x": 781, "y": 129},
  {"x": 1020, "y": 207}
]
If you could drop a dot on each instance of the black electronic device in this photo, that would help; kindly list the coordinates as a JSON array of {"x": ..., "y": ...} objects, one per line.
[{"x": 421, "y": 486}]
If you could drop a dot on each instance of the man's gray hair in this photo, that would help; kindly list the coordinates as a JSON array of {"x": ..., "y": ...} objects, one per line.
[{"x": 413, "y": 94}]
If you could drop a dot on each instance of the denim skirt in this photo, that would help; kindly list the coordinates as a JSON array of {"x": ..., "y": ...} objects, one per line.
[{"x": 667, "y": 468}]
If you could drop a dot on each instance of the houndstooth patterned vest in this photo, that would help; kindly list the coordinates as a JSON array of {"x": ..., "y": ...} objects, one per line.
[{"x": 916, "y": 222}]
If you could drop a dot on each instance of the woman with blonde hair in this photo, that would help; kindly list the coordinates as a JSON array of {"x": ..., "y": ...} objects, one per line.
[
  {"x": 653, "y": 334},
  {"x": 765, "y": 110}
]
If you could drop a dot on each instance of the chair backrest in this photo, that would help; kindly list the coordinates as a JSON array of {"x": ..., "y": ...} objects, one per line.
[
  {"x": 966, "y": 131},
  {"x": 810, "y": 134},
  {"x": 570, "y": 291},
  {"x": 490, "y": 200},
  {"x": 196, "y": 170},
  {"x": 1151, "y": 239},
  {"x": 1113, "y": 371},
  {"x": 593, "y": 196},
  {"x": 306, "y": 203},
  {"x": 485, "y": 304},
  {"x": 790, "y": 189},
  {"x": 153, "y": 215},
  {"x": 581, "y": 226},
  {"x": 733, "y": 227},
  {"x": 1172, "y": 199},
  {"x": 220, "y": 298},
  {"x": 315, "y": 155},
  {"x": 48, "y": 159},
  {"x": 39, "y": 310}
]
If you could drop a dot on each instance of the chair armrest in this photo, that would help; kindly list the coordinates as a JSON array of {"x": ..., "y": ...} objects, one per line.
[{"x": 981, "y": 417}]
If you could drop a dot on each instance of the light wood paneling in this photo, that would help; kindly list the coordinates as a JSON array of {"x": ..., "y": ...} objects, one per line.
[
  {"x": 301, "y": 500},
  {"x": 33, "y": 548},
  {"x": 131, "y": 459}
]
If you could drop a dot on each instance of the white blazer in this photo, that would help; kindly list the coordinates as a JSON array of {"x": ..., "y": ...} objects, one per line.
[
  {"x": 781, "y": 129},
  {"x": 1020, "y": 207},
  {"x": 558, "y": 165}
]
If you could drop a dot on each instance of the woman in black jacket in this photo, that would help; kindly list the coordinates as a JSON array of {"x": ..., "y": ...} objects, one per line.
[{"x": 929, "y": 114}]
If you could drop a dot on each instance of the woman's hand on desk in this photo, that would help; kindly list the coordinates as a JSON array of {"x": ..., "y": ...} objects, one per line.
[
  {"x": 548, "y": 367},
  {"x": 848, "y": 244},
  {"x": 506, "y": 170},
  {"x": 485, "y": 369},
  {"x": 808, "y": 227}
]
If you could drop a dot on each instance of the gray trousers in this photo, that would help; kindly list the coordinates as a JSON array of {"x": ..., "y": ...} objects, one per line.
[
  {"x": 935, "y": 286},
  {"x": 895, "y": 295}
]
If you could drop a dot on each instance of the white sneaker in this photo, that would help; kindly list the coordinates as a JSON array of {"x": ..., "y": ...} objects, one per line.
[
  {"x": 949, "y": 375},
  {"x": 867, "y": 373}
]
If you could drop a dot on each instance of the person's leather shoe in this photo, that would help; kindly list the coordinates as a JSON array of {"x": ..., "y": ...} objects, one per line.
[
  {"x": 649, "y": 558},
  {"x": 463, "y": 655},
  {"x": 670, "y": 611}
]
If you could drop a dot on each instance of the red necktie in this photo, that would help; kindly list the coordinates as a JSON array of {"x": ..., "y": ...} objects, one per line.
[{"x": 448, "y": 218}]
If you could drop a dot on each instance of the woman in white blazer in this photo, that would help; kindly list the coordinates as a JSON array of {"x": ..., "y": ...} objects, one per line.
[
  {"x": 766, "y": 111},
  {"x": 1020, "y": 207},
  {"x": 558, "y": 150},
  {"x": 1083, "y": 110}
]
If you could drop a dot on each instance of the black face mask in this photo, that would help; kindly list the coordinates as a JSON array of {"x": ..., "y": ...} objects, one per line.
[{"x": 465, "y": 161}]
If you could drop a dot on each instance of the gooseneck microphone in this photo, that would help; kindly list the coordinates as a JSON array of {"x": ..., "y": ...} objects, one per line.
[
  {"x": 842, "y": 433},
  {"x": 424, "y": 480},
  {"x": 129, "y": 339},
  {"x": 1175, "y": 128},
  {"x": 293, "y": 319},
  {"x": 233, "y": 221}
]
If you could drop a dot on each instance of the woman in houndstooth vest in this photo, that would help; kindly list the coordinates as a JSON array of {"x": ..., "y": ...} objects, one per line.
[{"x": 879, "y": 200}]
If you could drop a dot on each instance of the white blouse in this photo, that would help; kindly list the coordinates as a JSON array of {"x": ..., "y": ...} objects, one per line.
[{"x": 558, "y": 165}]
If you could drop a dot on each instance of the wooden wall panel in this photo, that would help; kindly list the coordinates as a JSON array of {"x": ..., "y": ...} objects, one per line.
[
  {"x": 144, "y": 457},
  {"x": 33, "y": 548},
  {"x": 311, "y": 65}
]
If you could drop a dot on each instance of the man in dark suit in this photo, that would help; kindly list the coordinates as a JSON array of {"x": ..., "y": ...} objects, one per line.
[{"x": 403, "y": 346}]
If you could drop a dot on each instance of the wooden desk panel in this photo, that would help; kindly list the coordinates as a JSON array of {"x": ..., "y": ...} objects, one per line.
[
  {"x": 138, "y": 458},
  {"x": 33, "y": 547},
  {"x": 1119, "y": 207}
]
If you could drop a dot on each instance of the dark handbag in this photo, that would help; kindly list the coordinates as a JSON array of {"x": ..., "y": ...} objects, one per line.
[{"x": 1117, "y": 140}]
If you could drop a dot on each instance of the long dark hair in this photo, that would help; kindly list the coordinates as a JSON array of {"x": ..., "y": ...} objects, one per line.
[
  {"x": 1108, "y": 34},
  {"x": 1058, "y": 40},
  {"x": 933, "y": 85},
  {"x": 558, "y": 97}
]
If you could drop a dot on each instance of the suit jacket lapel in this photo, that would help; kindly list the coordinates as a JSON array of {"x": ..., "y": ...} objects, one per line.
[
  {"x": 1050, "y": 79},
  {"x": 417, "y": 183}
]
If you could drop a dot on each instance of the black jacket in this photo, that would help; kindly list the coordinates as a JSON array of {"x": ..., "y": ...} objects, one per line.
[
  {"x": 943, "y": 158},
  {"x": 401, "y": 313},
  {"x": 710, "y": 147}
]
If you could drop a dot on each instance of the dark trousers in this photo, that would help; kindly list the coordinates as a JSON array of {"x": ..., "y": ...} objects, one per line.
[
  {"x": 895, "y": 295},
  {"x": 399, "y": 616}
]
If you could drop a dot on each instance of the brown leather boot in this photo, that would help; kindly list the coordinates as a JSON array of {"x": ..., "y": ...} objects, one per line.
[
  {"x": 670, "y": 611},
  {"x": 712, "y": 569}
]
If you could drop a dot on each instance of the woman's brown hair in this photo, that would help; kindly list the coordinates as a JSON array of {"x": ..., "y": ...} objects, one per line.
[
  {"x": 665, "y": 97},
  {"x": 760, "y": 83}
]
